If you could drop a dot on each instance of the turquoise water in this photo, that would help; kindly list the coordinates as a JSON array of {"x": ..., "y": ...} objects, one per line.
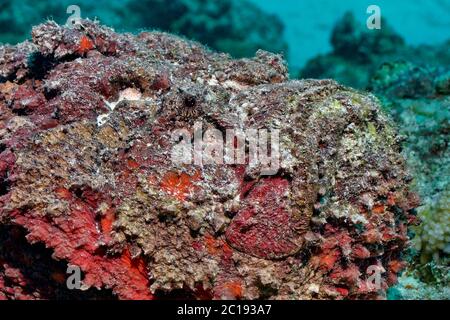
[{"x": 308, "y": 23}]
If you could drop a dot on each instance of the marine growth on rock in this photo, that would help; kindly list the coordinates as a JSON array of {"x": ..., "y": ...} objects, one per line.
[
  {"x": 413, "y": 85},
  {"x": 243, "y": 27},
  {"x": 88, "y": 179}
]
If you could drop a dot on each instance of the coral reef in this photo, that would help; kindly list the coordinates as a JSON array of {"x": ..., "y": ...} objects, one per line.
[
  {"x": 411, "y": 287},
  {"x": 358, "y": 53},
  {"x": 413, "y": 84},
  {"x": 234, "y": 26},
  {"x": 433, "y": 238},
  {"x": 242, "y": 26},
  {"x": 87, "y": 117},
  {"x": 418, "y": 98}
]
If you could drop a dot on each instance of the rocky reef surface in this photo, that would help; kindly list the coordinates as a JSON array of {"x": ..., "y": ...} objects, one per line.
[
  {"x": 418, "y": 98},
  {"x": 413, "y": 85},
  {"x": 87, "y": 177},
  {"x": 237, "y": 27}
]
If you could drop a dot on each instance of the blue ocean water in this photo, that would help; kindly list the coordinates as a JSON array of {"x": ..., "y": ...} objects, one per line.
[{"x": 308, "y": 23}]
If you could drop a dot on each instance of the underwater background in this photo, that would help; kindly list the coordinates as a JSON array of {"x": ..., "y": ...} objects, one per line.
[{"x": 406, "y": 64}]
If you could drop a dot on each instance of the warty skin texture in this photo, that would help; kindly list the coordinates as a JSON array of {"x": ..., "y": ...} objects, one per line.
[{"x": 106, "y": 196}]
